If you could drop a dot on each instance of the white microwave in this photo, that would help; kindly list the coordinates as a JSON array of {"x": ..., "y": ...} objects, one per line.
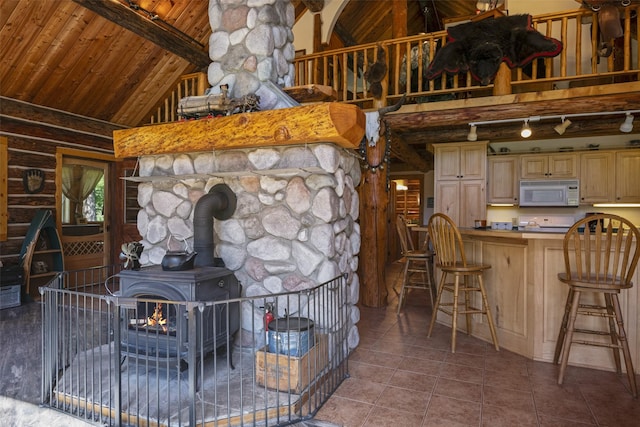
[{"x": 550, "y": 193}]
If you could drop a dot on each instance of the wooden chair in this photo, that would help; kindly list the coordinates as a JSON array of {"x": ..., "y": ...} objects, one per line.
[
  {"x": 418, "y": 264},
  {"x": 451, "y": 260},
  {"x": 598, "y": 260}
]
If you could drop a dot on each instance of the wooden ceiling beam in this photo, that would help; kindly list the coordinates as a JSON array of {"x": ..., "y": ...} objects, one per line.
[
  {"x": 439, "y": 117},
  {"x": 580, "y": 127},
  {"x": 157, "y": 31},
  {"x": 404, "y": 152}
]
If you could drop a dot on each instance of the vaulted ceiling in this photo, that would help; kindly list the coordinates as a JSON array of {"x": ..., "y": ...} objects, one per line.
[{"x": 103, "y": 59}]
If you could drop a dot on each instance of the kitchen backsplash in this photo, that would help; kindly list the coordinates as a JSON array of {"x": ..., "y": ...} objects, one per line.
[{"x": 502, "y": 213}]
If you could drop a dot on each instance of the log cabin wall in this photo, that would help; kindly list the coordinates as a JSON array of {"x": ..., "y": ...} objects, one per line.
[{"x": 33, "y": 135}]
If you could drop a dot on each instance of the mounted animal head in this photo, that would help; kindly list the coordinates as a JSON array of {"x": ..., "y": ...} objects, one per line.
[{"x": 609, "y": 24}]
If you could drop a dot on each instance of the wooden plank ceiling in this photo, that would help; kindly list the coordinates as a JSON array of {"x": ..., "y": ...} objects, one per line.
[{"x": 103, "y": 59}]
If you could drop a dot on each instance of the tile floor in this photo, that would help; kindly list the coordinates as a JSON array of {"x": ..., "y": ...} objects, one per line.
[{"x": 400, "y": 377}]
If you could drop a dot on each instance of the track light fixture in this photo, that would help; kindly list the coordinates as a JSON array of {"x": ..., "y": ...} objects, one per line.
[
  {"x": 562, "y": 127},
  {"x": 526, "y": 130},
  {"x": 473, "y": 133},
  {"x": 627, "y": 125}
]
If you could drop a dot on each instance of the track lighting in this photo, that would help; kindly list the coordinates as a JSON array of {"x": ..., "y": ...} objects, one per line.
[
  {"x": 526, "y": 130},
  {"x": 627, "y": 125},
  {"x": 562, "y": 127},
  {"x": 473, "y": 133}
]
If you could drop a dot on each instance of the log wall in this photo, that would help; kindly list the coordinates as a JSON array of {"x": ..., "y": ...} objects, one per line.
[{"x": 33, "y": 134}]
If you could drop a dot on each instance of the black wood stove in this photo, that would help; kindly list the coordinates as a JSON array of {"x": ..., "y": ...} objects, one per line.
[
  {"x": 156, "y": 325},
  {"x": 174, "y": 315}
]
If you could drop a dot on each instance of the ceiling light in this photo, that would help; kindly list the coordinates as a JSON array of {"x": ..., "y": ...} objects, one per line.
[
  {"x": 562, "y": 127},
  {"x": 627, "y": 125},
  {"x": 526, "y": 130},
  {"x": 473, "y": 133}
]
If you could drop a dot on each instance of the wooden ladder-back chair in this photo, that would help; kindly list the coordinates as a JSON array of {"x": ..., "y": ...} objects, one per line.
[
  {"x": 451, "y": 260},
  {"x": 418, "y": 264},
  {"x": 601, "y": 255}
]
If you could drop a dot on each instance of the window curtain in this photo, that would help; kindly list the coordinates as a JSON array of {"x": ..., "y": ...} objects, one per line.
[{"x": 78, "y": 182}]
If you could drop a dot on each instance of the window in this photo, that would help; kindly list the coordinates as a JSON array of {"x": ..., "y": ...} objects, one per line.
[{"x": 82, "y": 191}]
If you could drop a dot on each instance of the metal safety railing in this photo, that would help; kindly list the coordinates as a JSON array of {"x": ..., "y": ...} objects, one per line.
[{"x": 110, "y": 359}]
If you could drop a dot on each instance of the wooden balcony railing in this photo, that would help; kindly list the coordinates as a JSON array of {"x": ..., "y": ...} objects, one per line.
[
  {"x": 189, "y": 85},
  {"x": 408, "y": 58}
]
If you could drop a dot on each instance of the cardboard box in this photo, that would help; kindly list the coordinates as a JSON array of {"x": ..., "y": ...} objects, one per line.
[{"x": 286, "y": 373}]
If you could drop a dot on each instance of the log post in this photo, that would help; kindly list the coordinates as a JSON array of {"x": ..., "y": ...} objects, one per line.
[
  {"x": 502, "y": 81},
  {"x": 374, "y": 199}
]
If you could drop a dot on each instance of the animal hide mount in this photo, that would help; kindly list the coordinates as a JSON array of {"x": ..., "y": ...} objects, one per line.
[
  {"x": 609, "y": 22},
  {"x": 480, "y": 47},
  {"x": 376, "y": 73}
]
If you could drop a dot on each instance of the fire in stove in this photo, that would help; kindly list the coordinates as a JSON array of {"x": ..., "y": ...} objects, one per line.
[
  {"x": 157, "y": 319},
  {"x": 155, "y": 322}
]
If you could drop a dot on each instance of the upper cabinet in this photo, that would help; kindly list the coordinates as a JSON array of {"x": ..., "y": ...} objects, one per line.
[
  {"x": 549, "y": 166},
  {"x": 606, "y": 176},
  {"x": 597, "y": 177},
  {"x": 502, "y": 179},
  {"x": 461, "y": 161},
  {"x": 460, "y": 181},
  {"x": 627, "y": 172}
]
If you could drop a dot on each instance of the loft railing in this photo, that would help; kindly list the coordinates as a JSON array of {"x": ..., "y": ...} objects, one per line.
[
  {"x": 189, "y": 85},
  {"x": 408, "y": 58}
]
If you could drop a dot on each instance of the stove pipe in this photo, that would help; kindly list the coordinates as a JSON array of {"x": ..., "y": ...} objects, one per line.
[{"x": 219, "y": 203}]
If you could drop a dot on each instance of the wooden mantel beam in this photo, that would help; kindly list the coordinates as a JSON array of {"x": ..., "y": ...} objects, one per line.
[
  {"x": 341, "y": 124},
  {"x": 181, "y": 45}
]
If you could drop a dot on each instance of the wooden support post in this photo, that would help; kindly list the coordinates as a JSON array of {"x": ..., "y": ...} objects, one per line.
[
  {"x": 502, "y": 81},
  {"x": 374, "y": 201},
  {"x": 399, "y": 18}
]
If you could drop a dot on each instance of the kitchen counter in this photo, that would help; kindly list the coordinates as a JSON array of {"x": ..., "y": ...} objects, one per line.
[
  {"x": 502, "y": 234},
  {"x": 527, "y": 299}
]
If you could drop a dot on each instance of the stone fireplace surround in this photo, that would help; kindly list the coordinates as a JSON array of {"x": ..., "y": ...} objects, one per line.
[{"x": 295, "y": 224}]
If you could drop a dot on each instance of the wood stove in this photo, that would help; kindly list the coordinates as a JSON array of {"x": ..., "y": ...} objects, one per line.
[{"x": 155, "y": 324}]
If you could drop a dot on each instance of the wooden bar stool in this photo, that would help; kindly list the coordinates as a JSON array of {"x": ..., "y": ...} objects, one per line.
[
  {"x": 451, "y": 260},
  {"x": 600, "y": 259},
  {"x": 417, "y": 272}
]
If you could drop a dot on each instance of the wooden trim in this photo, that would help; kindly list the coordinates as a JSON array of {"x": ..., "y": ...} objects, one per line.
[{"x": 4, "y": 214}]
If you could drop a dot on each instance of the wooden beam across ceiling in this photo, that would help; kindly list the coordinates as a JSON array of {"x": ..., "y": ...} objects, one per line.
[
  {"x": 406, "y": 153},
  {"x": 447, "y": 121},
  {"x": 158, "y": 32}
]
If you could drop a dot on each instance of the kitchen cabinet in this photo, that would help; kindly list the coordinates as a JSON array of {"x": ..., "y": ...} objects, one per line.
[
  {"x": 460, "y": 182},
  {"x": 627, "y": 172},
  {"x": 502, "y": 179},
  {"x": 508, "y": 293},
  {"x": 528, "y": 301},
  {"x": 597, "y": 177},
  {"x": 460, "y": 161},
  {"x": 545, "y": 166}
]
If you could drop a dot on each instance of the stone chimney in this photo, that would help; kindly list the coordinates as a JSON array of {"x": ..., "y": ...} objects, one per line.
[{"x": 251, "y": 47}]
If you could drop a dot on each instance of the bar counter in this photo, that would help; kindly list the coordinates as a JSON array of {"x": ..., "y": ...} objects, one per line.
[{"x": 527, "y": 299}]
